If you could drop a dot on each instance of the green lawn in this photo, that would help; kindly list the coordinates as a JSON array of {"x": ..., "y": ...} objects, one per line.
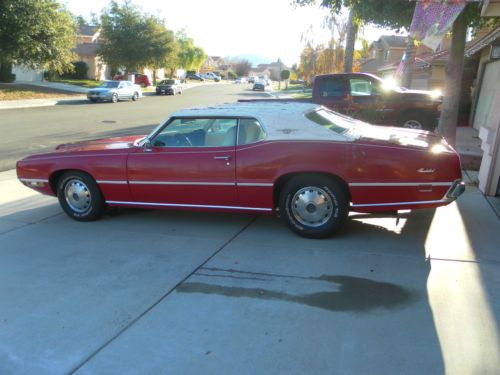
[{"x": 294, "y": 91}]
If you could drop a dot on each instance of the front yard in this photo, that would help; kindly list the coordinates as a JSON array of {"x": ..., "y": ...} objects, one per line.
[
  {"x": 12, "y": 91},
  {"x": 293, "y": 91}
]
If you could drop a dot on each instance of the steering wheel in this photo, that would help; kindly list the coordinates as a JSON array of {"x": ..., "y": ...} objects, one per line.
[{"x": 182, "y": 140}]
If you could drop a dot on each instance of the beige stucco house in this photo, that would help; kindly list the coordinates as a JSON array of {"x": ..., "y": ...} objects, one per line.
[{"x": 87, "y": 44}]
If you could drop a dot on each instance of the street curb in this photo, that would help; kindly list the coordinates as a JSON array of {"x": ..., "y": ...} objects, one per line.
[
  {"x": 80, "y": 99},
  {"x": 31, "y": 103}
]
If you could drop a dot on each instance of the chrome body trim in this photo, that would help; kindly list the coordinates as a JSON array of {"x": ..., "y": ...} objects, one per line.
[
  {"x": 112, "y": 182},
  {"x": 399, "y": 203},
  {"x": 383, "y": 184},
  {"x": 189, "y": 205},
  {"x": 254, "y": 184},
  {"x": 182, "y": 183},
  {"x": 28, "y": 180}
]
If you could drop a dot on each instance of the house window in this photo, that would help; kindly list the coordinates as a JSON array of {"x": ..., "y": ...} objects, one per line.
[{"x": 386, "y": 55}]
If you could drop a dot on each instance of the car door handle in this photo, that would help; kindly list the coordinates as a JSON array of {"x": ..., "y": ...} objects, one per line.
[{"x": 222, "y": 158}]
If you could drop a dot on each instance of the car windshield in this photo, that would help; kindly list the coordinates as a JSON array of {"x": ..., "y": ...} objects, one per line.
[
  {"x": 333, "y": 121},
  {"x": 110, "y": 84},
  {"x": 167, "y": 82}
]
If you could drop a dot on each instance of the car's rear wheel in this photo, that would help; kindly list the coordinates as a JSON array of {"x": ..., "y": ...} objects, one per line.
[
  {"x": 79, "y": 196},
  {"x": 313, "y": 206},
  {"x": 135, "y": 97},
  {"x": 114, "y": 98}
]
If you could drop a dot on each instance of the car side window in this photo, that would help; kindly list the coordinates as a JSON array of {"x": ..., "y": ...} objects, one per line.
[
  {"x": 250, "y": 131},
  {"x": 360, "y": 87},
  {"x": 331, "y": 87},
  {"x": 197, "y": 132}
]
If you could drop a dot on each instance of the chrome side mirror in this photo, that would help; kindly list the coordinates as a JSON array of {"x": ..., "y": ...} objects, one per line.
[{"x": 147, "y": 146}]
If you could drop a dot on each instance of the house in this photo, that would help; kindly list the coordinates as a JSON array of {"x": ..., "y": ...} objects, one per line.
[
  {"x": 87, "y": 44},
  {"x": 272, "y": 70},
  {"x": 212, "y": 64},
  {"x": 387, "y": 49},
  {"x": 485, "y": 116}
]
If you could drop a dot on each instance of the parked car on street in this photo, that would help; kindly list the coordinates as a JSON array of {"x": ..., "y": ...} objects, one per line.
[
  {"x": 114, "y": 91},
  {"x": 194, "y": 76},
  {"x": 169, "y": 86},
  {"x": 241, "y": 80},
  {"x": 309, "y": 163},
  {"x": 139, "y": 79},
  {"x": 212, "y": 76},
  {"x": 259, "y": 86}
]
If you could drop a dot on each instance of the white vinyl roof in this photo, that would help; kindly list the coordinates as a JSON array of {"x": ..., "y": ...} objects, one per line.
[{"x": 280, "y": 120}]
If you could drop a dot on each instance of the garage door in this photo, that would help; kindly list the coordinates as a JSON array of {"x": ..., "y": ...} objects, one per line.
[{"x": 489, "y": 85}]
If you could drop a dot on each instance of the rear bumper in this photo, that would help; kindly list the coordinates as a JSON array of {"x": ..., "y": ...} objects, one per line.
[{"x": 455, "y": 190}]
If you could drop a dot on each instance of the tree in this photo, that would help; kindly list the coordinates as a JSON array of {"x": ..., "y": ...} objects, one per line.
[
  {"x": 284, "y": 76},
  {"x": 123, "y": 39},
  {"x": 190, "y": 56},
  {"x": 242, "y": 67},
  {"x": 161, "y": 46},
  {"x": 135, "y": 40},
  {"x": 39, "y": 34}
]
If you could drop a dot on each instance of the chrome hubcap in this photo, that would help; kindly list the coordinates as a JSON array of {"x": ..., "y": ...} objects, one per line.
[
  {"x": 77, "y": 195},
  {"x": 312, "y": 206},
  {"x": 412, "y": 124}
]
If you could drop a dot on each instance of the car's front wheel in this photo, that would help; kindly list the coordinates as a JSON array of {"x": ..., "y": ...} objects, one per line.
[
  {"x": 418, "y": 121},
  {"x": 313, "y": 206},
  {"x": 79, "y": 196},
  {"x": 114, "y": 98},
  {"x": 135, "y": 97}
]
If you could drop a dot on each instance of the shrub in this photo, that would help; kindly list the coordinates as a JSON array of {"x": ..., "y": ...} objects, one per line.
[{"x": 80, "y": 71}]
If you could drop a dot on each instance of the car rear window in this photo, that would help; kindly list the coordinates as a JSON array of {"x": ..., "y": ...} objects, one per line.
[{"x": 330, "y": 120}]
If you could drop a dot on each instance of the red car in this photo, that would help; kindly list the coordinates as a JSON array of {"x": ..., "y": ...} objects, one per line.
[
  {"x": 311, "y": 164},
  {"x": 139, "y": 79}
]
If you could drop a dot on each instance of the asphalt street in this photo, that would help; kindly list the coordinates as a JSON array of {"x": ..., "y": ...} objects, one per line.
[
  {"x": 30, "y": 130},
  {"x": 171, "y": 292}
]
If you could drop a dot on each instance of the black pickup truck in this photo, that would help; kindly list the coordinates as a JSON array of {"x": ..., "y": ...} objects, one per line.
[{"x": 367, "y": 97}]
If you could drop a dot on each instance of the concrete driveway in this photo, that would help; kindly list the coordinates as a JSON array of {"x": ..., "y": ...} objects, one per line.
[{"x": 166, "y": 292}]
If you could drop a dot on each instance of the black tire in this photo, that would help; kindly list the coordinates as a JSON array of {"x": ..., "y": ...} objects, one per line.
[
  {"x": 79, "y": 196},
  {"x": 135, "y": 97},
  {"x": 93, "y": 100},
  {"x": 418, "y": 121},
  {"x": 313, "y": 206},
  {"x": 114, "y": 98}
]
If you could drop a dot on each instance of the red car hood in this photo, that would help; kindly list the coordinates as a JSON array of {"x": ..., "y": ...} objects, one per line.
[
  {"x": 419, "y": 139},
  {"x": 101, "y": 144}
]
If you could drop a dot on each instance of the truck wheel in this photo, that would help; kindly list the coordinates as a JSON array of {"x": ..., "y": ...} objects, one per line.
[
  {"x": 313, "y": 206},
  {"x": 417, "y": 121}
]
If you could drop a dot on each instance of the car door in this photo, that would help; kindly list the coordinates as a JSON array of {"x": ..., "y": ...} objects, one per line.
[
  {"x": 332, "y": 93},
  {"x": 366, "y": 100},
  {"x": 191, "y": 163}
]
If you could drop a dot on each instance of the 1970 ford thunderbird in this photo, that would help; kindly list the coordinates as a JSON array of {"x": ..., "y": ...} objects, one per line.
[{"x": 311, "y": 164}]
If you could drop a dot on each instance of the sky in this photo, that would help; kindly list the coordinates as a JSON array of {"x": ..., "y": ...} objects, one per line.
[{"x": 269, "y": 28}]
